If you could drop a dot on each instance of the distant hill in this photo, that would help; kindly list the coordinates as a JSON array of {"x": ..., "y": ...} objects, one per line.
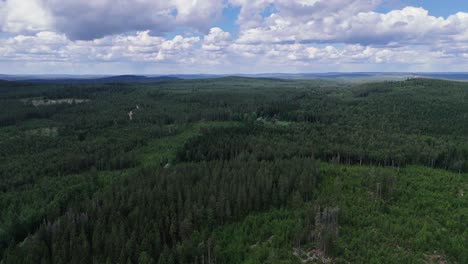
[
  {"x": 135, "y": 78},
  {"x": 447, "y": 76},
  {"x": 353, "y": 76},
  {"x": 9, "y": 77},
  {"x": 4, "y": 77},
  {"x": 112, "y": 79},
  {"x": 371, "y": 76},
  {"x": 196, "y": 76}
]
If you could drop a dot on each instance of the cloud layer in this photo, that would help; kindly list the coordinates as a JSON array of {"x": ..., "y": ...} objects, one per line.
[
  {"x": 86, "y": 20},
  {"x": 272, "y": 35}
]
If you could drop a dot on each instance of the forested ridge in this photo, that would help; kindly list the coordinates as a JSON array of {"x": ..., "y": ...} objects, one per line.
[{"x": 234, "y": 170}]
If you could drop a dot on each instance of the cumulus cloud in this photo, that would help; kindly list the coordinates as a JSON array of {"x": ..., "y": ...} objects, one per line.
[
  {"x": 194, "y": 53},
  {"x": 86, "y": 20},
  {"x": 271, "y": 33},
  {"x": 42, "y": 46},
  {"x": 251, "y": 13},
  {"x": 217, "y": 40},
  {"x": 50, "y": 46},
  {"x": 307, "y": 56},
  {"x": 302, "y": 22},
  {"x": 410, "y": 25},
  {"x": 17, "y": 16}
]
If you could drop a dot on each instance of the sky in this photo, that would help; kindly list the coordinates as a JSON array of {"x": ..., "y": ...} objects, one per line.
[{"x": 157, "y": 37}]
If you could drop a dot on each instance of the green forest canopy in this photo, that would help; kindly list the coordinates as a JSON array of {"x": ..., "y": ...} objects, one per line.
[{"x": 234, "y": 170}]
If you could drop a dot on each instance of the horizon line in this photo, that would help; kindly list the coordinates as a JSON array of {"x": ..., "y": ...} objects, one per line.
[{"x": 233, "y": 74}]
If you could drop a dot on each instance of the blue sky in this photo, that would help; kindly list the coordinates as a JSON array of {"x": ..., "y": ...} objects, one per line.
[
  {"x": 232, "y": 36},
  {"x": 435, "y": 7}
]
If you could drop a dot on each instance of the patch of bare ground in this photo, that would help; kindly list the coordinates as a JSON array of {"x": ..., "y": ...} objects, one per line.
[
  {"x": 435, "y": 258},
  {"x": 45, "y": 132},
  {"x": 132, "y": 112},
  {"x": 44, "y": 101},
  {"x": 311, "y": 256}
]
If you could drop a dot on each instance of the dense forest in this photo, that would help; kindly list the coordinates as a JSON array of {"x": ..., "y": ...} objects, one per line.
[{"x": 234, "y": 170}]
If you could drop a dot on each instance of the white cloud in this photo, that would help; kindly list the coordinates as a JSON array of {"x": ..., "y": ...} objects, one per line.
[
  {"x": 50, "y": 46},
  {"x": 19, "y": 16},
  {"x": 42, "y": 46},
  {"x": 216, "y": 41},
  {"x": 410, "y": 25},
  {"x": 352, "y": 54},
  {"x": 301, "y": 10},
  {"x": 194, "y": 53},
  {"x": 87, "y": 20},
  {"x": 281, "y": 35}
]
